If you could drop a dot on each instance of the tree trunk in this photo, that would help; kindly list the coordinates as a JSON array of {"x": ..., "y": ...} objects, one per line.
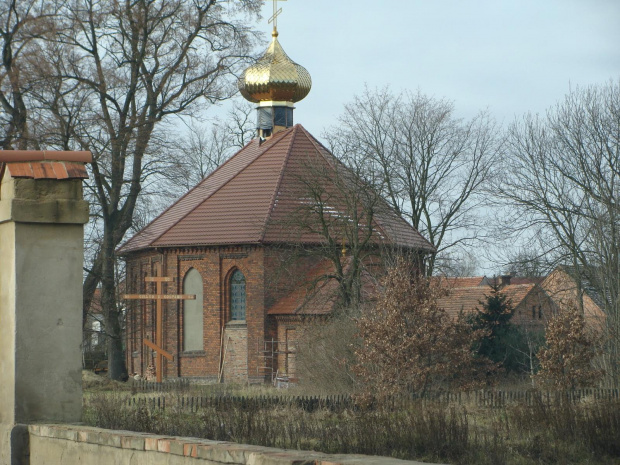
[{"x": 112, "y": 315}]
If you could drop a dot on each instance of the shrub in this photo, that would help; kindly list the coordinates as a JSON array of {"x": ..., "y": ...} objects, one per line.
[
  {"x": 566, "y": 361},
  {"x": 325, "y": 355},
  {"x": 409, "y": 343}
]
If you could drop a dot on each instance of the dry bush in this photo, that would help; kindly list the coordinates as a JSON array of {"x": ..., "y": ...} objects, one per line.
[
  {"x": 325, "y": 355},
  {"x": 566, "y": 361},
  {"x": 409, "y": 343}
]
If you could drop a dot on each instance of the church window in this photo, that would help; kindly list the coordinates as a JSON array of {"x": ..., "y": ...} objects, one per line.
[
  {"x": 193, "y": 312},
  {"x": 237, "y": 296}
]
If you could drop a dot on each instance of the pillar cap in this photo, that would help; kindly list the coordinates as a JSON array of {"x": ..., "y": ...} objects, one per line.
[{"x": 10, "y": 156}]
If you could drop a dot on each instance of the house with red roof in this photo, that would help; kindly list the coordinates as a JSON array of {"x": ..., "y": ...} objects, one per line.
[{"x": 531, "y": 303}]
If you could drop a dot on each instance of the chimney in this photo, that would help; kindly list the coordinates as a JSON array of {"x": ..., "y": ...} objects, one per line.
[{"x": 505, "y": 280}]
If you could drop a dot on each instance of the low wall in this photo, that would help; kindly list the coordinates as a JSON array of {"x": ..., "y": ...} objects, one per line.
[{"x": 73, "y": 444}]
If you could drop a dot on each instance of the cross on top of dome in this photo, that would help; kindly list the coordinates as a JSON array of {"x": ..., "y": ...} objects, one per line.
[{"x": 274, "y": 18}]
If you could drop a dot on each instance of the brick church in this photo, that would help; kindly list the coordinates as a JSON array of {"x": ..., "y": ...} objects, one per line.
[{"x": 234, "y": 242}]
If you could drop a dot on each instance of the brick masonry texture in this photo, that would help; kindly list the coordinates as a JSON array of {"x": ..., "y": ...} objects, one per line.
[
  {"x": 230, "y": 349},
  {"x": 71, "y": 444}
]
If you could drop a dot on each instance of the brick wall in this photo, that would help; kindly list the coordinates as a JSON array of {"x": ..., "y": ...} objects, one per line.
[
  {"x": 215, "y": 265},
  {"x": 54, "y": 444}
]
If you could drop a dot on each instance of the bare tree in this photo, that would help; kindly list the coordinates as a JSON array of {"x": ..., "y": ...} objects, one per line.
[
  {"x": 566, "y": 359},
  {"x": 527, "y": 262},
  {"x": 432, "y": 165},
  {"x": 332, "y": 215},
  {"x": 408, "y": 342},
  {"x": 23, "y": 26},
  {"x": 204, "y": 147},
  {"x": 561, "y": 191},
  {"x": 114, "y": 72}
]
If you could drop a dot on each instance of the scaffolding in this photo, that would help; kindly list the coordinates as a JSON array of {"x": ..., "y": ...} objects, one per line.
[{"x": 268, "y": 353}]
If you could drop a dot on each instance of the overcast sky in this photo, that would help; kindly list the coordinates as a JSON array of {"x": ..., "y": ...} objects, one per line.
[{"x": 508, "y": 56}]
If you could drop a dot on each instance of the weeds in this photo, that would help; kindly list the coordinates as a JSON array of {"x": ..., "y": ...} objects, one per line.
[{"x": 545, "y": 432}]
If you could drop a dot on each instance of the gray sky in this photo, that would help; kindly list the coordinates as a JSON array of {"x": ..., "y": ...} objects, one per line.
[{"x": 508, "y": 56}]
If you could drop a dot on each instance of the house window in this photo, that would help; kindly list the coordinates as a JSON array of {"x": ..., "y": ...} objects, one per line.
[
  {"x": 540, "y": 312},
  {"x": 533, "y": 312},
  {"x": 193, "y": 312},
  {"x": 96, "y": 333},
  {"x": 237, "y": 296}
]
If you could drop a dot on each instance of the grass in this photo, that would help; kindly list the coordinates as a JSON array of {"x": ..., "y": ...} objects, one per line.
[{"x": 560, "y": 432}]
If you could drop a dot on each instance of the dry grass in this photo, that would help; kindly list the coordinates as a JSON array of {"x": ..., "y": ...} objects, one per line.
[{"x": 561, "y": 432}]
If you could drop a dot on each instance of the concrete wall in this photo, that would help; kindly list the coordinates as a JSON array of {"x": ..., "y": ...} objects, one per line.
[
  {"x": 69, "y": 445},
  {"x": 41, "y": 259}
]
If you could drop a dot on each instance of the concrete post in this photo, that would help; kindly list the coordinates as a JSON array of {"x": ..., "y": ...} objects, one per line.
[{"x": 42, "y": 214}]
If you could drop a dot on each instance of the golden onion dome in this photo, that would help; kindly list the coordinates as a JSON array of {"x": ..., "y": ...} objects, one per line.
[{"x": 275, "y": 77}]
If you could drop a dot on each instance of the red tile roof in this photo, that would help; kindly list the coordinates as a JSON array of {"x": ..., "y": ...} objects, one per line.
[
  {"x": 517, "y": 292},
  {"x": 463, "y": 299},
  {"x": 315, "y": 298},
  {"x": 517, "y": 280},
  {"x": 39, "y": 164},
  {"x": 452, "y": 281},
  {"x": 248, "y": 199},
  {"x": 318, "y": 296},
  {"x": 467, "y": 299}
]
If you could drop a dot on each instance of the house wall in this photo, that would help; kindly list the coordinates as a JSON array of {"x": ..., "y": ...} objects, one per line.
[
  {"x": 534, "y": 310},
  {"x": 285, "y": 271},
  {"x": 563, "y": 290},
  {"x": 233, "y": 352},
  {"x": 234, "y": 343}
]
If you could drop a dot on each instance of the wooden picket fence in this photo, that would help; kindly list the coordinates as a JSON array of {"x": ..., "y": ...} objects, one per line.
[
  {"x": 482, "y": 398},
  {"x": 172, "y": 385}
]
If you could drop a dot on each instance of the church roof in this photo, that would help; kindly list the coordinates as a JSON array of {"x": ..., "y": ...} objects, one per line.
[{"x": 249, "y": 199}]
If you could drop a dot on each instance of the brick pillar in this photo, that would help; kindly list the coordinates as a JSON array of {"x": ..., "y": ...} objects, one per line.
[{"x": 42, "y": 214}]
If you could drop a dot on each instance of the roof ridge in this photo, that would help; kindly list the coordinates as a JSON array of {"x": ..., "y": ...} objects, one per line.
[
  {"x": 333, "y": 164},
  {"x": 320, "y": 147},
  {"x": 260, "y": 154},
  {"x": 280, "y": 176}
]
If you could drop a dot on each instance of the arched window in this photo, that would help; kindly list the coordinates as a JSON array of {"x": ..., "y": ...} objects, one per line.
[
  {"x": 237, "y": 296},
  {"x": 192, "y": 312}
]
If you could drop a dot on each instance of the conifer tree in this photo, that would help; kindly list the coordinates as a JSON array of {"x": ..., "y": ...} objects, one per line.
[{"x": 503, "y": 342}]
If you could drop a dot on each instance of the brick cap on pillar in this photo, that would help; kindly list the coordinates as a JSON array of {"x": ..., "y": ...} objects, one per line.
[
  {"x": 45, "y": 164},
  {"x": 8, "y": 156}
]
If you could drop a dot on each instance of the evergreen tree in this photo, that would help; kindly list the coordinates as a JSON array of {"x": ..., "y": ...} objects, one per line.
[{"x": 503, "y": 342}]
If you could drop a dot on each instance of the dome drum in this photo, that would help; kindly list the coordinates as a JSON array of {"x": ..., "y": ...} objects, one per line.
[{"x": 276, "y": 116}]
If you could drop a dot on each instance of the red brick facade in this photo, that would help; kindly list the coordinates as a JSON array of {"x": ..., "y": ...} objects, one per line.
[{"x": 232, "y": 350}]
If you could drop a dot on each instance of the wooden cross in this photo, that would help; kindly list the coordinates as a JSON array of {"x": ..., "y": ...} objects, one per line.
[
  {"x": 159, "y": 333},
  {"x": 276, "y": 13}
]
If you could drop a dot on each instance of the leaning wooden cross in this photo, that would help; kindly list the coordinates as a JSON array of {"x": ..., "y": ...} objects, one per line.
[{"x": 159, "y": 333}]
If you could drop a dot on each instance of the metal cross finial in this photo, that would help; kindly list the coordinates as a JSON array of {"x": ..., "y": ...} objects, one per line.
[{"x": 276, "y": 13}]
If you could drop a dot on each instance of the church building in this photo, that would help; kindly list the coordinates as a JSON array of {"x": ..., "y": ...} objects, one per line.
[{"x": 261, "y": 243}]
